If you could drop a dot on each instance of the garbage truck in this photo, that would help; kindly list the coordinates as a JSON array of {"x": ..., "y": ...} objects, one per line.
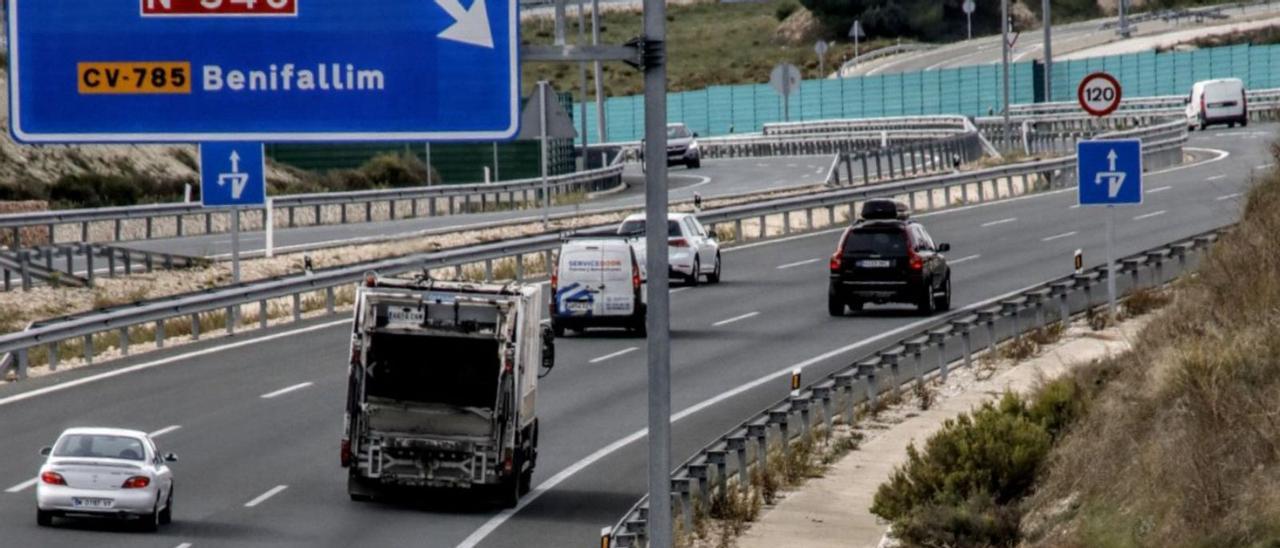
[{"x": 442, "y": 388}]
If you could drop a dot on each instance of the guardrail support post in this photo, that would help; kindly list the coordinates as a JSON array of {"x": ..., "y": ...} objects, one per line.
[
  {"x": 128, "y": 262},
  {"x": 297, "y": 307},
  {"x": 488, "y": 270},
  {"x": 737, "y": 231},
  {"x": 866, "y": 174},
  {"x": 368, "y": 212},
  {"x": 53, "y": 355},
  {"x": 111, "y": 262},
  {"x": 519, "y": 267},
  {"x": 24, "y": 260},
  {"x": 232, "y": 313},
  {"x": 391, "y": 209},
  {"x": 8, "y": 280},
  {"x": 159, "y": 333},
  {"x": 879, "y": 172},
  {"x": 786, "y": 223},
  {"x": 148, "y": 229},
  {"x": 69, "y": 252},
  {"x": 760, "y": 431},
  {"x": 117, "y": 230},
  {"x": 330, "y": 301},
  {"x": 195, "y": 327},
  {"x": 123, "y": 340},
  {"x": 764, "y": 230},
  {"x": 806, "y": 424},
  {"x": 342, "y": 217},
  {"x": 262, "y": 314},
  {"x": 22, "y": 363},
  {"x": 319, "y": 216},
  {"x": 84, "y": 232},
  {"x": 895, "y": 373},
  {"x": 88, "y": 349},
  {"x": 685, "y": 496},
  {"x": 431, "y": 207},
  {"x": 739, "y": 447},
  {"x": 808, "y": 216},
  {"x": 718, "y": 458}
]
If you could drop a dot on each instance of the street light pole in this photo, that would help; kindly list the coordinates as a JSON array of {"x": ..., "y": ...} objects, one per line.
[
  {"x": 658, "y": 314},
  {"x": 1124, "y": 18},
  {"x": 601, "y": 135},
  {"x": 1004, "y": 62},
  {"x": 1048, "y": 50}
]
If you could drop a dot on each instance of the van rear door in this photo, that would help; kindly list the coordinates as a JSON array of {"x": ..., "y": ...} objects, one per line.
[
  {"x": 581, "y": 280},
  {"x": 617, "y": 296}
]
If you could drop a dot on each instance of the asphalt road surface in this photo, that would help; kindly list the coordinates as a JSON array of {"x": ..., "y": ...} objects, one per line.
[
  {"x": 716, "y": 178},
  {"x": 237, "y": 445}
]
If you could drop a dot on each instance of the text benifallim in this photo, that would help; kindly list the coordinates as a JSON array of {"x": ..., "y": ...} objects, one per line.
[{"x": 289, "y": 77}]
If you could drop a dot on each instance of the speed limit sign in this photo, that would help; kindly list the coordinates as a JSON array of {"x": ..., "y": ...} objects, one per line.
[{"x": 1099, "y": 94}]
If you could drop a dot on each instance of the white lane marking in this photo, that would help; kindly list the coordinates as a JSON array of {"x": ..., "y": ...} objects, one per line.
[
  {"x": 1059, "y": 236},
  {"x": 1216, "y": 177},
  {"x": 183, "y": 545},
  {"x": 677, "y": 290},
  {"x": 164, "y": 361},
  {"x": 798, "y": 263},
  {"x": 1150, "y": 215},
  {"x": 475, "y": 538},
  {"x": 735, "y": 319},
  {"x": 1000, "y": 222},
  {"x": 963, "y": 260},
  {"x": 164, "y": 431},
  {"x": 1158, "y": 189},
  {"x": 1264, "y": 166},
  {"x": 285, "y": 390},
  {"x": 1077, "y": 206},
  {"x": 1220, "y": 155},
  {"x": 263, "y": 497},
  {"x": 1227, "y": 196},
  {"x": 622, "y": 352},
  {"x": 22, "y": 486}
]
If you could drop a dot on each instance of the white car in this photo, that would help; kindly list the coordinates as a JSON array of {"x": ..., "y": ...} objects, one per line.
[
  {"x": 691, "y": 251},
  {"x": 1220, "y": 101},
  {"x": 105, "y": 472}
]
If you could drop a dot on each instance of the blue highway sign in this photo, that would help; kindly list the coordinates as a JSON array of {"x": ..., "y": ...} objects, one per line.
[
  {"x": 263, "y": 70},
  {"x": 232, "y": 175},
  {"x": 1109, "y": 172}
]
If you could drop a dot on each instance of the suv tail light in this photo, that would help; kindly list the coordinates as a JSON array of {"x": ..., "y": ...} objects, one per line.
[
  {"x": 344, "y": 453},
  {"x": 136, "y": 482},
  {"x": 837, "y": 258},
  {"x": 679, "y": 242},
  {"x": 53, "y": 478},
  {"x": 914, "y": 260}
]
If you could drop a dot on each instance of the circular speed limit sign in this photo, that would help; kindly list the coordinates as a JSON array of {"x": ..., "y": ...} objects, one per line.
[{"x": 1099, "y": 94}]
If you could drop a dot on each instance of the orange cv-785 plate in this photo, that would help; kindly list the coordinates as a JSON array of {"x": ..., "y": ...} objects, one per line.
[{"x": 134, "y": 77}]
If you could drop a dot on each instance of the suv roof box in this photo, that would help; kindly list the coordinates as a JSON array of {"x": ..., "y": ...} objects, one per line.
[{"x": 885, "y": 209}]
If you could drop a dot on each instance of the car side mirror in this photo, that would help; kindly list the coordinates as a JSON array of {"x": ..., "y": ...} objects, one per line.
[
  {"x": 548, "y": 350},
  {"x": 46, "y": 451},
  {"x": 170, "y": 457},
  {"x": 943, "y": 248}
]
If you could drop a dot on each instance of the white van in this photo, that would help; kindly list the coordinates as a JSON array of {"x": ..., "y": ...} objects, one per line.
[
  {"x": 1217, "y": 102},
  {"x": 596, "y": 283}
]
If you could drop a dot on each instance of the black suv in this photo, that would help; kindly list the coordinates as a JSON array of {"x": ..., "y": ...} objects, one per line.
[{"x": 886, "y": 257}]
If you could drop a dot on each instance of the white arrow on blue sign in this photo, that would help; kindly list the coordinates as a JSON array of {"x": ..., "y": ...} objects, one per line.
[
  {"x": 1109, "y": 172},
  {"x": 232, "y": 175},
  {"x": 263, "y": 70}
]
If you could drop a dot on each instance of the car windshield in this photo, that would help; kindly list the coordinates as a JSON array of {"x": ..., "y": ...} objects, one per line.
[
  {"x": 635, "y": 227},
  {"x": 677, "y": 132},
  {"x": 99, "y": 446},
  {"x": 888, "y": 243}
]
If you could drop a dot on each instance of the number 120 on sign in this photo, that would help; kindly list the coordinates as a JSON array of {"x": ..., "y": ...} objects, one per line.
[
  {"x": 1099, "y": 94},
  {"x": 244, "y": 8}
]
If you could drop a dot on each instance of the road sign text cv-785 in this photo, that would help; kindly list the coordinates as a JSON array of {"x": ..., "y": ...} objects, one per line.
[{"x": 254, "y": 70}]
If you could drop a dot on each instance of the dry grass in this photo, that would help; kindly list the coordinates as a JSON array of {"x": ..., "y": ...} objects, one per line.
[{"x": 1181, "y": 446}]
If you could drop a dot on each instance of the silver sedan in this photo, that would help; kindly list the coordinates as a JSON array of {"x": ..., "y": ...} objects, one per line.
[{"x": 105, "y": 472}]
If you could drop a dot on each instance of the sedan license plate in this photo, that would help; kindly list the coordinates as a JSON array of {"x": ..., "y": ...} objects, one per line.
[
  {"x": 85, "y": 502},
  {"x": 579, "y": 306},
  {"x": 874, "y": 263}
]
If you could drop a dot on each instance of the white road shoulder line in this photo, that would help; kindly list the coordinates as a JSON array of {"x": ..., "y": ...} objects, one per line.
[
  {"x": 1227, "y": 196},
  {"x": 22, "y": 486},
  {"x": 963, "y": 259},
  {"x": 1059, "y": 236},
  {"x": 1264, "y": 166},
  {"x": 1150, "y": 215},
  {"x": 1158, "y": 189},
  {"x": 735, "y": 319},
  {"x": 798, "y": 263},
  {"x": 1215, "y": 177},
  {"x": 164, "y": 431},
  {"x": 183, "y": 545},
  {"x": 263, "y": 497},
  {"x": 285, "y": 390},
  {"x": 622, "y": 352},
  {"x": 1000, "y": 222}
]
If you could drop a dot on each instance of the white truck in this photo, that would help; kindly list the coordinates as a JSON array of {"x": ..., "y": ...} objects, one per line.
[{"x": 442, "y": 386}]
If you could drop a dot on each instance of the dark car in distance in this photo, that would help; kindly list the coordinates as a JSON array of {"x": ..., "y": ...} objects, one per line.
[{"x": 885, "y": 257}]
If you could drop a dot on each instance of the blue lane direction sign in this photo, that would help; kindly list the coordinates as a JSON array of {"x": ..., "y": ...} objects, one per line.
[
  {"x": 1109, "y": 172},
  {"x": 232, "y": 175},
  {"x": 263, "y": 70}
]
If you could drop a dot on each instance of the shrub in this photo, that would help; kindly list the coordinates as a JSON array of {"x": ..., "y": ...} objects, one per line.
[
  {"x": 978, "y": 521},
  {"x": 396, "y": 170}
]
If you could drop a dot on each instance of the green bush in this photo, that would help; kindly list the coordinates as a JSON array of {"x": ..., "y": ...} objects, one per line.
[
  {"x": 396, "y": 171},
  {"x": 99, "y": 190},
  {"x": 25, "y": 189},
  {"x": 978, "y": 521}
]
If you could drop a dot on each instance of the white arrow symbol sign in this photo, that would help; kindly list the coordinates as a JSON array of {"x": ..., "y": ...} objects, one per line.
[
  {"x": 470, "y": 25},
  {"x": 238, "y": 180},
  {"x": 1114, "y": 178}
]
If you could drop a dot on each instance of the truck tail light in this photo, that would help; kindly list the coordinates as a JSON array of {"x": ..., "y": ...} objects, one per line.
[
  {"x": 345, "y": 453},
  {"x": 136, "y": 482},
  {"x": 53, "y": 478},
  {"x": 507, "y": 462}
]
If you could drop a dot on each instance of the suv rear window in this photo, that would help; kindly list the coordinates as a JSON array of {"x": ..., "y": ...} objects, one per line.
[{"x": 888, "y": 242}]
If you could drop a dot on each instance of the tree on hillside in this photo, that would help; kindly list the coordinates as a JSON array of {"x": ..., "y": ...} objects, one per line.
[{"x": 929, "y": 20}]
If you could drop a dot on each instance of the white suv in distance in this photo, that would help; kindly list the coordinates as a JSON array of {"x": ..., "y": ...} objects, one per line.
[
  {"x": 105, "y": 472},
  {"x": 691, "y": 251}
]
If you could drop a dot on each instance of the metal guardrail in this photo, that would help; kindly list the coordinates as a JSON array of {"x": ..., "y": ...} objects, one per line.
[
  {"x": 451, "y": 198},
  {"x": 228, "y": 301},
  {"x": 899, "y": 123},
  {"x": 1167, "y": 103},
  {"x": 882, "y": 53},
  {"x": 819, "y": 143},
  {"x": 56, "y": 264},
  {"x": 933, "y": 349}
]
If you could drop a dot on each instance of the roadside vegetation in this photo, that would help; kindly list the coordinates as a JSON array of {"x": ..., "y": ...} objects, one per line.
[
  {"x": 1256, "y": 37},
  {"x": 1173, "y": 443}
]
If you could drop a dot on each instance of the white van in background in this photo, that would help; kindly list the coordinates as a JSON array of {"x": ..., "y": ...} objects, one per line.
[
  {"x": 597, "y": 283},
  {"x": 1220, "y": 101}
]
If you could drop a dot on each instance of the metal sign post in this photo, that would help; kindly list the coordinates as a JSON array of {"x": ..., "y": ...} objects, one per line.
[
  {"x": 856, "y": 33},
  {"x": 1047, "y": 18},
  {"x": 1004, "y": 69},
  {"x": 659, "y": 312},
  {"x": 161, "y": 71},
  {"x": 969, "y": 8},
  {"x": 820, "y": 48},
  {"x": 1109, "y": 173},
  {"x": 542, "y": 138},
  {"x": 785, "y": 79}
]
